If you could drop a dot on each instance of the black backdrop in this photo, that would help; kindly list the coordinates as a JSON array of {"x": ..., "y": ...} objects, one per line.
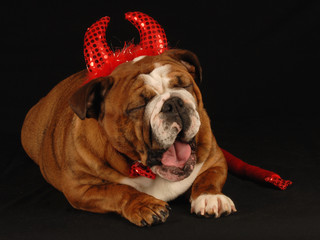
[{"x": 260, "y": 63}]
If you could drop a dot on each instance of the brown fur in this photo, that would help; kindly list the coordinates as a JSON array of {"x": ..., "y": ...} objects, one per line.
[{"x": 86, "y": 159}]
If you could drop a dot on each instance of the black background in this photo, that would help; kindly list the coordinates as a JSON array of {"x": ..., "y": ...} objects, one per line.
[{"x": 260, "y": 64}]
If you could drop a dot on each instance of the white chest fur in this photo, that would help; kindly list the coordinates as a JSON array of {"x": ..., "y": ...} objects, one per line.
[{"x": 160, "y": 188}]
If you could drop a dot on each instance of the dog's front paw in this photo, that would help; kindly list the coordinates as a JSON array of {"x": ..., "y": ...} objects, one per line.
[
  {"x": 212, "y": 205},
  {"x": 146, "y": 211}
]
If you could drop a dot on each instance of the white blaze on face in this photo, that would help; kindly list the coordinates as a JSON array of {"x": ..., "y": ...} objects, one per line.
[
  {"x": 158, "y": 78},
  {"x": 166, "y": 132}
]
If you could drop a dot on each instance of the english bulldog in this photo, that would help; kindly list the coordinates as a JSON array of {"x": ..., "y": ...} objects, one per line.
[{"x": 85, "y": 138}]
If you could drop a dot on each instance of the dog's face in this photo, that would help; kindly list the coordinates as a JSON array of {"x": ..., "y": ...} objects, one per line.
[{"x": 148, "y": 108}]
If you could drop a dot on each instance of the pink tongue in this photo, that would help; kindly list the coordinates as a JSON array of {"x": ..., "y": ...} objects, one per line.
[{"x": 177, "y": 155}]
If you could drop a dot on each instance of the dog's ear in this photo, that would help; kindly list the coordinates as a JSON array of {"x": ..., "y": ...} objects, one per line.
[
  {"x": 189, "y": 60},
  {"x": 88, "y": 100}
]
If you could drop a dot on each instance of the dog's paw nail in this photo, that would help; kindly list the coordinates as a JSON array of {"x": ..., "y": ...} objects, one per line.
[
  {"x": 163, "y": 213},
  {"x": 168, "y": 208},
  {"x": 144, "y": 223},
  {"x": 234, "y": 209},
  {"x": 156, "y": 219},
  {"x": 192, "y": 210}
]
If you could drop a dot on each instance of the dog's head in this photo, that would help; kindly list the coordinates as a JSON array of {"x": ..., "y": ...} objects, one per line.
[{"x": 148, "y": 109}]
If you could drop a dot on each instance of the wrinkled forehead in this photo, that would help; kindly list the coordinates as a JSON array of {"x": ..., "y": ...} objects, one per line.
[
  {"x": 158, "y": 79},
  {"x": 158, "y": 74},
  {"x": 163, "y": 75}
]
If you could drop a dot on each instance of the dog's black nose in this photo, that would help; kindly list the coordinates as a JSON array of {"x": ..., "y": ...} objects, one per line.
[
  {"x": 173, "y": 105},
  {"x": 175, "y": 110}
]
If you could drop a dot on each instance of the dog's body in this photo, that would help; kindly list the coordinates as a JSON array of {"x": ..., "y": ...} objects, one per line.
[{"x": 86, "y": 138}]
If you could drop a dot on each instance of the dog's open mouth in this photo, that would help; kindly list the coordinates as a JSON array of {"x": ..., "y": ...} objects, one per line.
[{"x": 177, "y": 162}]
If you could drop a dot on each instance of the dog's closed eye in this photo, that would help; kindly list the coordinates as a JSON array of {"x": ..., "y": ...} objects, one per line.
[
  {"x": 133, "y": 109},
  {"x": 188, "y": 86}
]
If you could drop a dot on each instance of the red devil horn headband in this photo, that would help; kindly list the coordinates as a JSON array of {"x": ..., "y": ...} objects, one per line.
[{"x": 101, "y": 60}]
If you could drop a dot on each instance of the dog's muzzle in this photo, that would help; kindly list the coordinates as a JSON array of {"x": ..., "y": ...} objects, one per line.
[{"x": 174, "y": 123}]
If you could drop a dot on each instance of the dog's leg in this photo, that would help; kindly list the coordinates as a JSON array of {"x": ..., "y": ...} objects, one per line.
[
  {"x": 206, "y": 193},
  {"x": 139, "y": 208}
]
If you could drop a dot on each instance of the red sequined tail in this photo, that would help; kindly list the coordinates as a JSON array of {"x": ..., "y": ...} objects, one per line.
[{"x": 243, "y": 169}]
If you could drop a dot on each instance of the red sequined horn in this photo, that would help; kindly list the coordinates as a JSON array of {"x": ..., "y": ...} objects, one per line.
[
  {"x": 101, "y": 60},
  {"x": 152, "y": 35},
  {"x": 96, "y": 49}
]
